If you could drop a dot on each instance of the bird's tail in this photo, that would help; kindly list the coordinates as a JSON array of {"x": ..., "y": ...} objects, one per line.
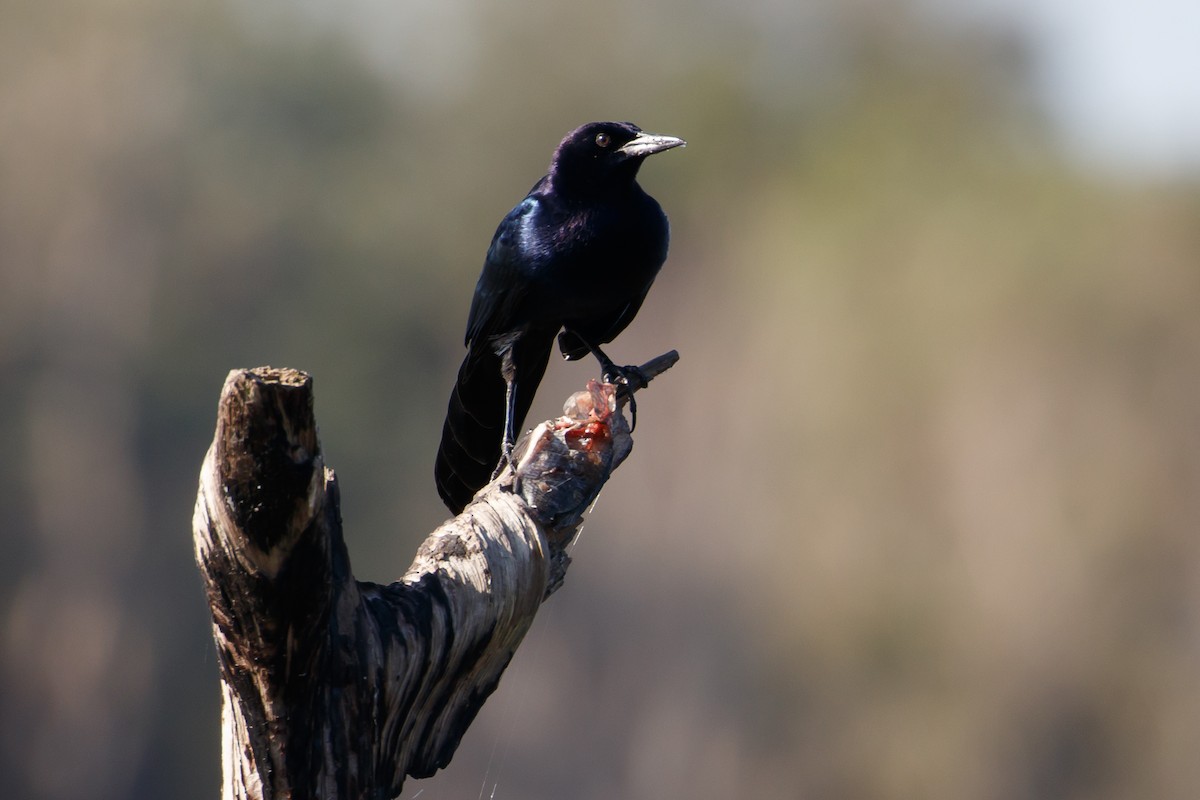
[{"x": 474, "y": 427}]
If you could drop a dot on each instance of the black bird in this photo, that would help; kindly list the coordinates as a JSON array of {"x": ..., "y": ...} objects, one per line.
[{"x": 577, "y": 255}]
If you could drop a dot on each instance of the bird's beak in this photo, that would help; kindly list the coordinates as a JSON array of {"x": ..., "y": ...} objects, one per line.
[{"x": 645, "y": 144}]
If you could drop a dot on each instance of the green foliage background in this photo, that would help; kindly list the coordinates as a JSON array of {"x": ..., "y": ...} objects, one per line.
[{"x": 914, "y": 517}]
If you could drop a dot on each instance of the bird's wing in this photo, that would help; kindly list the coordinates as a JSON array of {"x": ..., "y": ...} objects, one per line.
[
  {"x": 601, "y": 331},
  {"x": 513, "y": 256}
]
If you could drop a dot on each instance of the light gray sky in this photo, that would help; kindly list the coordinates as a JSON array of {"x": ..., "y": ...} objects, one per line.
[{"x": 1120, "y": 78}]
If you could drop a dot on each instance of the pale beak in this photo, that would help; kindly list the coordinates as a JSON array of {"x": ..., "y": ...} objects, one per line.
[{"x": 645, "y": 144}]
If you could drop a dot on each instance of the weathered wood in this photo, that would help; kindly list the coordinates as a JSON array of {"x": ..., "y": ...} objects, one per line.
[{"x": 337, "y": 688}]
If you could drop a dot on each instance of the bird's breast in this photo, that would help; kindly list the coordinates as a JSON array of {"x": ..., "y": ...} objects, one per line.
[{"x": 597, "y": 263}]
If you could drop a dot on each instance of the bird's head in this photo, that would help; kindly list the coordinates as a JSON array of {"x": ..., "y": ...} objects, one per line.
[{"x": 605, "y": 154}]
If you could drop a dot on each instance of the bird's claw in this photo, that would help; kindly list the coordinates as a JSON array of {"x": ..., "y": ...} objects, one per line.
[
  {"x": 632, "y": 378},
  {"x": 629, "y": 376},
  {"x": 506, "y": 459}
]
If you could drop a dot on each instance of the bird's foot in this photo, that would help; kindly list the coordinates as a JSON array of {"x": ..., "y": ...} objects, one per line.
[
  {"x": 629, "y": 376},
  {"x": 632, "y": 379},
  {"x": 506, "y": 459}
]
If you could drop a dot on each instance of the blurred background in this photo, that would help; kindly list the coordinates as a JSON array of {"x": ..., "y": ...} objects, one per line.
[{"x": 915, "y": 516}]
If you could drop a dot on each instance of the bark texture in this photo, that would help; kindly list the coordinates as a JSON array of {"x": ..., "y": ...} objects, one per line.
[{"x": 337, "y": 688}]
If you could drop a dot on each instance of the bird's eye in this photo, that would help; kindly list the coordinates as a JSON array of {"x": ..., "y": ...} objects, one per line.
[{"x": 603, "y": 139}]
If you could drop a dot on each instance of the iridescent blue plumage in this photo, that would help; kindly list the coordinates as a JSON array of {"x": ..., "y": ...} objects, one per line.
[{"x": 577, "y": 255}]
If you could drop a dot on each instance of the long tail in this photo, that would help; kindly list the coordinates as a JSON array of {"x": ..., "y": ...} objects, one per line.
[{"x": 474, "y": 427}]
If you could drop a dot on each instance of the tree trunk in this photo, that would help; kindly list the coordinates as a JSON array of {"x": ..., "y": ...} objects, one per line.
[{"x": 337, "y": 688}]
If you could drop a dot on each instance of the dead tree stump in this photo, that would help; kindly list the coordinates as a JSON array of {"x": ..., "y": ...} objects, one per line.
[{"x": 337, "y": 688}]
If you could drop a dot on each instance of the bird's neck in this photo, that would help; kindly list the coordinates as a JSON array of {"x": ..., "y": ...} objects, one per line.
[{"x": 589, "y": 187}]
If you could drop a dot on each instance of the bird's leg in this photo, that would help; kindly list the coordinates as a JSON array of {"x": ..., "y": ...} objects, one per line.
[
  {"x": 510, "y": 437},
  {"x": 509, "y": 371},
  {"x": 510, "y": 434},
  {"x": 631, "y": 376}
]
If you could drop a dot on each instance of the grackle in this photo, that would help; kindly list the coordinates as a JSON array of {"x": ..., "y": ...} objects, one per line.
[{"x": 575, "y": 260}]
